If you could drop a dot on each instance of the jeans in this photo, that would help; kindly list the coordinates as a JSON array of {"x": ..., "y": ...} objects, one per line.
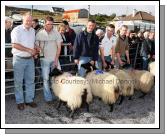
[
  {"x": 24, "y": 70},
  {"x": 47, "y": 66},
  {"x": 83, "y": 60},
  {"x": 145, "y": 63}
]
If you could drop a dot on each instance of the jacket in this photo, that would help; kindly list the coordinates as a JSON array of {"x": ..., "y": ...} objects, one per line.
[
  {"x": 84, "y": 48},
  {"x": 145, "y": 48}
]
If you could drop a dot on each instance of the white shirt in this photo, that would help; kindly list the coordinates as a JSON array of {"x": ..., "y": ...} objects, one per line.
[
  {"x": 49, "y": 42},
  {"x": 107, "y": 44},
  {"x": 25, "y": 37}
]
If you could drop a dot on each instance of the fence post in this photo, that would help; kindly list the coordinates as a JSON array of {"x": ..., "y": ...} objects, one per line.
[{"x": 134, "y": 64}]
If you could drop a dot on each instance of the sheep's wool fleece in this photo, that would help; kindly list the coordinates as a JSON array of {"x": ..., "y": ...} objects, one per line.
[
  {"x": 151, "y": 68},
  {"x": 144, "y": 80},
  {"x": 70, "y": 89},
  {"x": 126, "y": 81},
  {"x": 104, "y": 86}
]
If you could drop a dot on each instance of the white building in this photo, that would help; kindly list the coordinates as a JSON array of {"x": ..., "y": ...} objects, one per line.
[{"x": 138, "y": 21}]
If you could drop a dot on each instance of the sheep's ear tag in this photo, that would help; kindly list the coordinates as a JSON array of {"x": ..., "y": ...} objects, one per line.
[{"x": 99, "y": 72}]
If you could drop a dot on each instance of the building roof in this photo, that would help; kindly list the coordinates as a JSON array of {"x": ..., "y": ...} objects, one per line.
[
  {"x": 57, "y": 9},
  {"x": 140, "y": 15},
  {"x": 72, "y": 11},
  {"x": 82, "y": 13},
  {"x": 117, "y": 18}
]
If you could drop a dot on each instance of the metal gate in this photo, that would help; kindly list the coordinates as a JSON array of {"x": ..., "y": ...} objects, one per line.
[{"x": 9, "y": 79}]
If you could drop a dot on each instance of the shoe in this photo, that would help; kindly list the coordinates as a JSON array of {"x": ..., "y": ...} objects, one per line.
[
  {"x": 20, "y": 106},
  {"x": 32, "y": 104}
]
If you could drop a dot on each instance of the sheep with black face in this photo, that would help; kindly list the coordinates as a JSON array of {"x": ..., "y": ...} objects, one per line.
[
  {"x": 126, "y": 81},
  {"x": 73, "y": 90},
  {"x": 103, "y": 84}
]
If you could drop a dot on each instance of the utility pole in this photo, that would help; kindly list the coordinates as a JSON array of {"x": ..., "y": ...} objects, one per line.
[
  {"x": 88, "y": 12},
  {"x": 32, "y": 10}
]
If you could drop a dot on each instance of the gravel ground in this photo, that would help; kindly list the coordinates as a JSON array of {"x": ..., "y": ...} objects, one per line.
[{"x": 135, "y": 111}]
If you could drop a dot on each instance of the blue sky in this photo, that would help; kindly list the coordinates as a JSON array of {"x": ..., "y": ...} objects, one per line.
[{"x": 104, "y": 9}]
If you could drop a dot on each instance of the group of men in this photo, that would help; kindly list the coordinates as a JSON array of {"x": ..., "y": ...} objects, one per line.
[{"x": 27, "y": 43}]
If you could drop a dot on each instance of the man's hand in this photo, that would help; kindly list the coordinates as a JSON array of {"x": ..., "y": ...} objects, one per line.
[
  {"x": 92, "y": 62},
  {"x": 121, "y": 62},
  {"x": 38, "y": 49},
  {"x": 149, "y": 56},
  {"x": 76, "y": 61},
  {"x": 32, "y": 52},
  {"x": 112, "y": 62},
  {"x": 104, "y": 64},
  {"x": 70, "y": 47},
  {"x": 128, "y": 61}
]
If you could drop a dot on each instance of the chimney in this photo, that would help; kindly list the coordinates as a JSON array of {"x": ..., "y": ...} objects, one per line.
[{"x": 134, "y": 12}]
